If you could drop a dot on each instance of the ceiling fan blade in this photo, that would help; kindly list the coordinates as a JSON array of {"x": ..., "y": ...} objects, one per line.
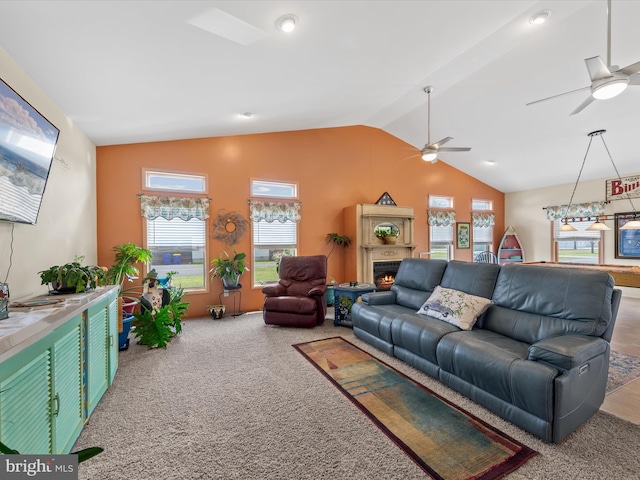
[
  {"x": 631, "y": 69},
  {"x": 454, "y": 149},
  {"x": 412, "y": 149},
  {"x": 597, "y": 68},
  {"x": 559, "y": 95},
  {"x": 411, "y": 156},
  {"x": 440, "y": 142},
  {"x": 590, "y": 99}
]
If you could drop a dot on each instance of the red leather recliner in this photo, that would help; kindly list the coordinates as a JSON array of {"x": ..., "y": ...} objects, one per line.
[{"x": 298, "y": 299}]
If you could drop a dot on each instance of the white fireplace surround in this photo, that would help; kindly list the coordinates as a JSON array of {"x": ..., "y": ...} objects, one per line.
[{"x": 362, "y": 220}]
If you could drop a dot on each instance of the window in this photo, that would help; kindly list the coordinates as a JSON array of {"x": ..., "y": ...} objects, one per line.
[
  {"x": 441, "y": 227},
  {"x": 274, "y": 228},
  {"x": 483, "y": 221},
  {"x": 174, "y": 182},
  {"x": 580, "y": 246},
  {"x": 176, "y": 228}
]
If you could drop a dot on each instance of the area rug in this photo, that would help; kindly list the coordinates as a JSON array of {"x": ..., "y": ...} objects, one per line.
[
  {"x": 623, "y": 369},
  {"x": 447, "y": 442}
]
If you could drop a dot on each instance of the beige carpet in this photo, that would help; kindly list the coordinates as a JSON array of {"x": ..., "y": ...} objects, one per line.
[{"x": 231, "y": 399}]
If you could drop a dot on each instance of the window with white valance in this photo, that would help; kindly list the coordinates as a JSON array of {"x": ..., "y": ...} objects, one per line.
[
  {"x": 176, "y": 235},
  {"x": 441, "y": 233},
  {"x": 274, "y": 228}
]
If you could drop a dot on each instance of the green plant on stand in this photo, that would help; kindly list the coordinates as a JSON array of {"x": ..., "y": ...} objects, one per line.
[
  {"x": 336, "y": 240},
  {"x": 73, "y": 277},
  {"x": 229, "y": 268}
]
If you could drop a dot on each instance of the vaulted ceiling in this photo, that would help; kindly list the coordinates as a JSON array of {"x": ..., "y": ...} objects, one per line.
[{"x": 139, "y": 71}]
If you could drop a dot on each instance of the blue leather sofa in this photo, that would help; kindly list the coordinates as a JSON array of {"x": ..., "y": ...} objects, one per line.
[{"x": 539, "y": 354}]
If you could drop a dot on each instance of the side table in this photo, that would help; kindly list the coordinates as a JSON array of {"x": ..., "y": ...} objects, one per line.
[
  {"x": 345, "y": 295},
  {"x": 233, "y": 291}
]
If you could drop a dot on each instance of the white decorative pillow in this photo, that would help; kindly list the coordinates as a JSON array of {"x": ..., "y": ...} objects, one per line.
[{"x": 455, "y": 307}]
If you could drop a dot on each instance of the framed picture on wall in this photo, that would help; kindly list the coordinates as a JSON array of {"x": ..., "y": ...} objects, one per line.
[
  {"x": 627, "y": 241},
  {"x": 463, "y": 235}
]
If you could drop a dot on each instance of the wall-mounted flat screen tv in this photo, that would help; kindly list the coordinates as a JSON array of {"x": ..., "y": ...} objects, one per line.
[{"x": 27, "y": 145}]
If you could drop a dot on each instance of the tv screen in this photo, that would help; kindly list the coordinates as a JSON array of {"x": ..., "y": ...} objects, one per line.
[{"x": 27, "y": 145}]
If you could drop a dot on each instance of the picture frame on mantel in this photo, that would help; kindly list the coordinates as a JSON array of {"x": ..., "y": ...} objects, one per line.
[
  {"x": 627, "y": 241},
  {"x": 463, "y": 235}
]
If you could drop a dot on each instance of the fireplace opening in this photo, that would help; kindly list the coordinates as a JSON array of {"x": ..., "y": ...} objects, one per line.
[{"x": 384, "y": 274}]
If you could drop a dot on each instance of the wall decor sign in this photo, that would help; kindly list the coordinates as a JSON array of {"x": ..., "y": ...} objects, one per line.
[
  {"x": 463, "y": 235},
  {"x": 627, "y": 241},
  {"x": 623, "y": 188}
]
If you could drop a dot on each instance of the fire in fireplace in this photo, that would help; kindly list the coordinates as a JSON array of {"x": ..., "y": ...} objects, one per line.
[{"x": 384, "y": 274}]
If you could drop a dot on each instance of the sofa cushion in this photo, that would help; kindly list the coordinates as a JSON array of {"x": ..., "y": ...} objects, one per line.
[
  {"x": 454, "y": 307},
  {"x": 498, "y": 365},
  {"x": 416, "y": 279},
  {"x": 532, "y": 303},
  {"x": 420, "y": 335},
  {"x": 473, "y": 278},
  {"x": 376, "y": 319}
]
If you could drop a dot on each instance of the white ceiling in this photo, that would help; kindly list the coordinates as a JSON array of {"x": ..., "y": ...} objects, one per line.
[{"x": 140, "y": 71}]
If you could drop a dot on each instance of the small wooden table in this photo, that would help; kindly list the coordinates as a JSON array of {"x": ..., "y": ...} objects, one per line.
[{"x": 345, "y": 295}]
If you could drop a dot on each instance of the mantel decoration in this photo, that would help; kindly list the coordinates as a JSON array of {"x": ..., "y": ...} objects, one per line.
[
  {"x": 597, "y": 211},
  {"x": 229, "y": 227}
]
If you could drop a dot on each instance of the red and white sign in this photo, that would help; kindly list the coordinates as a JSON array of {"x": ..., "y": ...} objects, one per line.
[{"x": 623, "y": 188}]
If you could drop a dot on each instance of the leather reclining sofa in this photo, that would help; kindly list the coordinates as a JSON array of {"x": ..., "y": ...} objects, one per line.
[{"x": 538, "y": 356}]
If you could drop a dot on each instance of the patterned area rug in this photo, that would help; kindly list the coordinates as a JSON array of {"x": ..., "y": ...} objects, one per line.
[
  {"x": 447, "y": 442},
  {"x": 623, "y": 369}
]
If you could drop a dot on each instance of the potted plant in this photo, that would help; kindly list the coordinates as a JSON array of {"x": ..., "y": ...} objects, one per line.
[
  {"x": 155, "y": 328},
  {"x": 73, "y": 277},
  {"x": 387, "y": 233},
  {"x": 229, "y": 268},
  {"x": 124, "y": 269},
  {"x": 336, "y": 240}
]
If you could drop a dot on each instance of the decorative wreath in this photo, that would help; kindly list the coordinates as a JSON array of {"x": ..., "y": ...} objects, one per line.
[{"x": 229, "y": 227}]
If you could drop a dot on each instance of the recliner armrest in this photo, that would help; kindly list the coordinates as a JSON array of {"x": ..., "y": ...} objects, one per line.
[
  {"x": 318, "y": 291},
  {"x": 567, "y": 351},
  {"x": 274, "y": 290},
  {"x": 379, "y": 298}
]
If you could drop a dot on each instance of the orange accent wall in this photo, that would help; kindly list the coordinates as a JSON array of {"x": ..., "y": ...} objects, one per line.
[{"x": 334, "y": 168}]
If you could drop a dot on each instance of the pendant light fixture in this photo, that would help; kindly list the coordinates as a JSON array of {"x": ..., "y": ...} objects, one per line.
[{"x": 633, "y": 224}]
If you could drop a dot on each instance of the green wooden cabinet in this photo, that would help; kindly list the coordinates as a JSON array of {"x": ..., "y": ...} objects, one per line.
[{"x": 49, "y": 388}]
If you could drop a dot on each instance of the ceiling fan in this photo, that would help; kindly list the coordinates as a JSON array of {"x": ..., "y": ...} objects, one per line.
[
  {"x": 607, "y": 81},
  {"x": 430, "y": 151}
]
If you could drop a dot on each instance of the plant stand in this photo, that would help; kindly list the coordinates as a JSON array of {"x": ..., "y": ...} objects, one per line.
[{"x": 233, "y": 292}]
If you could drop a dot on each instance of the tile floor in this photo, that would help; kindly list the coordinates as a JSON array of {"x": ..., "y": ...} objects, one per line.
[{"x": 624, "y": 402}]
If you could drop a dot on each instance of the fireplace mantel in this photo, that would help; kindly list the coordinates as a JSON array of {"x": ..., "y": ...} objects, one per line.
[{"x": 360, "y": 221}]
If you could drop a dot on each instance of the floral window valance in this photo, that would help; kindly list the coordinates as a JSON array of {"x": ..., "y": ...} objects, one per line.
[
  {"x": 274, "y": 211},
  {"x": 579, "y": 210},
  {"x": 441, "y": 219},
  {"x": 174, "y": 207},
  {"x": 483, "y": 219}
]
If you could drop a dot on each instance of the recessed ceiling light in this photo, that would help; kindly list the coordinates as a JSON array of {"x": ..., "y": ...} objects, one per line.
[
  {"x": 540, "y": 17},
  {"x": 287, "y": 23}
]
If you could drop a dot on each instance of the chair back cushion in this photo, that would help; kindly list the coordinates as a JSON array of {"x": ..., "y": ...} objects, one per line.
[
  {"x": 300, "y": 274},
  {"x": 416, "y": 279},
  {"x": 531, "y": 303}
]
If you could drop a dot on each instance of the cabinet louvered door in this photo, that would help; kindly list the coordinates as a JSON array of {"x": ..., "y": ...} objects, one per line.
[
  {"x": 113, "y": 338},
  {"x": 97, "y": 364},
  {"x": 25, "y": 400},
  {"x": 67, "y": 385}
]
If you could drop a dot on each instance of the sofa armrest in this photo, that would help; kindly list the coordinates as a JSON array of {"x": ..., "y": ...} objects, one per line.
[
  {"x": 274, "y": 290},
  {"x": 567, "y": 351},
  {"x": 379, "y": 298}
]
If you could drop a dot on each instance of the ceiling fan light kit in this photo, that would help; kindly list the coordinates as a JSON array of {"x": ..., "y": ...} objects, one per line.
[
  {"x": 607, "y": 81},
  {"x": 610, "y": 87}
]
